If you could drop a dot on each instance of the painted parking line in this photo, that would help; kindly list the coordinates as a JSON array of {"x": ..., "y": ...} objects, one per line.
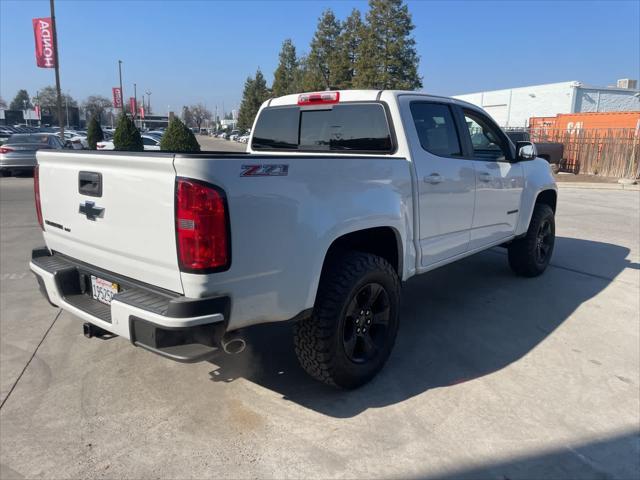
[{"x": 14, "y": 276}]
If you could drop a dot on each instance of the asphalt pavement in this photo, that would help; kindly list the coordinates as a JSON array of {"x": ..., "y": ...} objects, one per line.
[{"x": 492, "y": 376}]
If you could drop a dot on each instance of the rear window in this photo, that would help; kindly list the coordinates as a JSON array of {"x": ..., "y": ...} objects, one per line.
[
  {"x": 28, "y": 139},
  {"x": 344, "y": 128}
]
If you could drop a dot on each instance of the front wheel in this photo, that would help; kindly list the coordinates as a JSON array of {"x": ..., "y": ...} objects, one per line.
[
  {"x": 530, "y": 255},
  {"x": 349, "y": 336}
]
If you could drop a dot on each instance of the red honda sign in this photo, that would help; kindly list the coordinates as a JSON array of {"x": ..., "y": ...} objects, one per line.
[
  {"x": 45, "y": 52},
  {"x": 132, "y": 106},
  {"x": 117, "y": 97}
]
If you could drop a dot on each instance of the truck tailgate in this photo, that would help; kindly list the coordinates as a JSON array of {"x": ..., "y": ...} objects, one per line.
[{"x": 128, "y": 228}]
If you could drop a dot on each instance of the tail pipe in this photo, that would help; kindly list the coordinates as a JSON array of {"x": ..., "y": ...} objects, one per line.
[{"x": 233, "y": 343}]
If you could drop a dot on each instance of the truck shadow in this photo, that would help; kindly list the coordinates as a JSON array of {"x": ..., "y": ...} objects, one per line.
[{"x": 457, "y": 323}]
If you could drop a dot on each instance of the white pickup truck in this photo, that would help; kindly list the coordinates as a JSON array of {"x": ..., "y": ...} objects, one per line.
[{"x": 340, "y": 197}]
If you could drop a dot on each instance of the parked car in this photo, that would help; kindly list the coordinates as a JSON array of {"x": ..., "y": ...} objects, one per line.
[
  {"x": 319, "y": 222},
  {"x": 18, "y": 154},
  {"x": 552, "y": 152},
  {"x": 150, "y": 142}
]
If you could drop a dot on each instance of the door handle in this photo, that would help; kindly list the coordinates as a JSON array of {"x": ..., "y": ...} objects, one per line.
[
  {"x": 433, "y": 179},
  {"x": 485, "y": 177}
]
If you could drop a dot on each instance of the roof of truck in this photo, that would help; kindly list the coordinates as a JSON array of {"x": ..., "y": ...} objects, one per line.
[{"x": 359, "y": 96}]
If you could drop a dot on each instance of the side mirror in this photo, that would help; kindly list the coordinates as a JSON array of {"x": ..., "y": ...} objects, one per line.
[{"x": 526, "y": 151}]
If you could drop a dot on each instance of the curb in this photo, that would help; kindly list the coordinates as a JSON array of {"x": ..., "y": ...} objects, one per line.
[{"x": 599, "y": 186}]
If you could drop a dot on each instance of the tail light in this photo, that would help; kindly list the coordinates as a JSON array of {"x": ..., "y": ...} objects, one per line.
[
  {"x": 202, "y": 227},
  {"x": 318, "y": 98},
  {"x": 6, "y": 149},
  {"x": 36, "y": 193}
]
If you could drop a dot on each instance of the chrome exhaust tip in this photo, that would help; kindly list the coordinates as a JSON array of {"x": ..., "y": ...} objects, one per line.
[{"x": 233, "y": 344}]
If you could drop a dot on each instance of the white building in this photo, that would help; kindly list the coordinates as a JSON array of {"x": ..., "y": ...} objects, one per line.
[{"x": 514, "y": 106}]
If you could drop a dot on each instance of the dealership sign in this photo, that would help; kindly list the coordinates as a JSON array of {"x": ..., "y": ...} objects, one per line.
[
  {"x": 132, "y": 106},
  {"x": 117, "y": 97},
  {"x": 45, "y": 51}
]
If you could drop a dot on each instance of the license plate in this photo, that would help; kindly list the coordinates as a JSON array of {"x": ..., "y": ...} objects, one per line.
[{"x": 103, "y": 290}]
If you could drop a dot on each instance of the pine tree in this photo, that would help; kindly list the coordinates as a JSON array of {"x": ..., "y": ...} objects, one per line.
[
  {"x": 286, "y": 76},
  {"x": 127, "y": 137},
  {"x": 179, "y": 138},
  {"x": 348, "y": 45},
  {"x": 94, "y": 133},
  {"x": 322, "y": 62},
  {"x": 254, "y": 94},
  {"x": 387, "y": 57},
  {"x": 21, "y": 101}
]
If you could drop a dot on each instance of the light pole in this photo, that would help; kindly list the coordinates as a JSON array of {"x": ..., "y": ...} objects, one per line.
[
  {"x": 24, "y": 105},
  {"x": 66, "y": 107},
  {"x": 135, "y": 103},
  {"x": 121, "y": 91},
  {"x": 148, "y": 101}
]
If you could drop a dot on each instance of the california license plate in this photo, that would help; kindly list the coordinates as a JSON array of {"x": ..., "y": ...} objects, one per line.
[{"x": 103, "y": 290}]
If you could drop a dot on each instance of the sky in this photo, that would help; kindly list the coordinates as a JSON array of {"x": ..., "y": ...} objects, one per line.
[{"x": 186, "y": 52}]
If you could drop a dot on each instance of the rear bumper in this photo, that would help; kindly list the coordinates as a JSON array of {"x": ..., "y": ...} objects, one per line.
[{"x": 186, "y": 330}]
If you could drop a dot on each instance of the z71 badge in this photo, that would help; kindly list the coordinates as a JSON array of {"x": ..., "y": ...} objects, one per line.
[{"x": 271, "y": 170}]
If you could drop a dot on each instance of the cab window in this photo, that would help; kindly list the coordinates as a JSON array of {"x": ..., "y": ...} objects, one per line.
[{"x": 486, "y": 140}]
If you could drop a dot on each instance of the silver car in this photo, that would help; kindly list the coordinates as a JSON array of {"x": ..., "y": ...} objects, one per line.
[{"x": 18, "y": 154}]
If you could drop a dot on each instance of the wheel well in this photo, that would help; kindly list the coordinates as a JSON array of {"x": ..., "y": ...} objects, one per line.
[
  {"x": 381, "y": 241},
  {"x": 548, "y": 197}
]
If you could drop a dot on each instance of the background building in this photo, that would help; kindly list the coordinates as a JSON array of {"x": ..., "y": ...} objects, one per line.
[{"x": 514, "y": 106}]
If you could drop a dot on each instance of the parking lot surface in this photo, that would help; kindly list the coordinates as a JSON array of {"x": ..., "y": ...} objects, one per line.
[{"x": 492, "y": 376}]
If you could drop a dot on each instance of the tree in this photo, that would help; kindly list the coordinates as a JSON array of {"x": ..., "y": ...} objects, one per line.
[
  {"x": 21, "y": 101},
  {"x": 178, "y": 138},
  {"x": 127, "y": 137},
  {"x": 321, "y": 63},
  {"x": 94, "y": 132},
  {"x": 96, "y": 106},
  {"x": 254, "y": 94},
  {"x": 387, "y": 57},
  {"x": 3, "y": 104},
  {"x": 187, "y": 117},
  {"x": 47, "y": 98},
  {"x": 287, "y": 75},
  {"x": 348, "y": 45},
  {"x": 199, "y": 114}
]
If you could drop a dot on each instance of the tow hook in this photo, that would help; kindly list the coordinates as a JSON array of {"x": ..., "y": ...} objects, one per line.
[
  {"x": 90, "y": 330},
  {"x": 233, "y": 343}
]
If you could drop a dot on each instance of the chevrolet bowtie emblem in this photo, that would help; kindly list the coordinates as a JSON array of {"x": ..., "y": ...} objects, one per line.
[{"x": 91, "y": 211}]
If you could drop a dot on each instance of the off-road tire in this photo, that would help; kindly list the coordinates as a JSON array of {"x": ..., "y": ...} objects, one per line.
[
  {"x": 524, "y": 253},
  {"x": 319, "y": 338}
]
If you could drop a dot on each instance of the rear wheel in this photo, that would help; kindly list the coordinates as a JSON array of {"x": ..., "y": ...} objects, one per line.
[
  {"x": 349, "y": 336},
  {"x": 530, "y": 255}
]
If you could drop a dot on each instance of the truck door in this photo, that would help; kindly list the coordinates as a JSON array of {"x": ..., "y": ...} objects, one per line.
[
  {"x": 446, "y": 180},
  {"x": 499, "y": 181}
]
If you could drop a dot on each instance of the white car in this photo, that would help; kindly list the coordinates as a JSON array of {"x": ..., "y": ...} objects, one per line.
[
  {"x": 150, "y": 142},
  {"x": 340, "y": 197}
]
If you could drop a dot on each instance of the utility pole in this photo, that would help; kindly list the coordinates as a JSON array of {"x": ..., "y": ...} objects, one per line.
[
  {"x": 66, "y": 107},
  {"x": 121, "y": 90},
  {"x": 57, "y": 58}
]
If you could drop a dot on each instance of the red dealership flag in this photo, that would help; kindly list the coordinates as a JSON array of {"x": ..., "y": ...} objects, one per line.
[
  {"x": 132, "y": 106},
  {"x": 45, "y": 52},
  {"x": 37, "y": 110},
  {"x": 141, "y": 112},
  {"x": 117, "y": 97}
]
